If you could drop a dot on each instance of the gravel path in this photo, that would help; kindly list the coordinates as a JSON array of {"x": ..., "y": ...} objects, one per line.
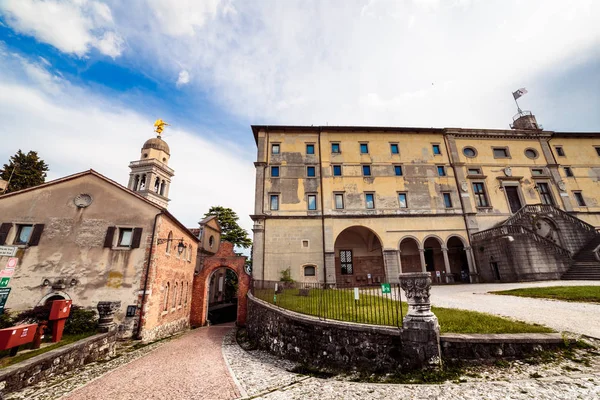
[
  {"x": 582, "y": 318},
  {"x": 190, "y": 367}
]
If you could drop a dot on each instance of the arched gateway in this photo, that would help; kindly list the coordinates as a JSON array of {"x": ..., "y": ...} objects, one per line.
[
  {"x": 225, "y": 257},
  {"x": 358, "y": 257}
]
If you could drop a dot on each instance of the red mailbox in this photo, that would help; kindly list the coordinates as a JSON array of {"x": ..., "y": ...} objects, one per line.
[
  {"x": 15, "y": 336},
  {"x": 58, "y": 315}
]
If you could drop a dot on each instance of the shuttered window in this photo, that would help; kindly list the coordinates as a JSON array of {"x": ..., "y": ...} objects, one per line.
[
  {"x": 4, "y": 230},
  {"x": 110, "y": 234},
  {"x": 36, "y": 234}
]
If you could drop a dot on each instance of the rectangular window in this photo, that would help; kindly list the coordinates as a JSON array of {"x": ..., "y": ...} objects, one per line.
[
  {"x": 23, "y": 234},
  {"x": 394, "y": 148},
  {"x": 275, "y": 148},
  {"x": 364, "y": 148},
  {"x": 579, "y": 198},
  {"x": 312, "y": 201},
  {"x": 402, "y": 200},
  {"x": 274, "y": 172},
  {"x": 346, "y": 262},
  {"x": 310, "y": 149},
  {"x": 537, "y": 171},
  {"x": 398, "y": 170},
  {"x": 339, "y": 201},
  {"x": 274, "y": 202},
  {"x": 447, "y": 200},
  {"x": 441, "y": 170},
  {"x": 370, "y": 200},
  {"x": 436, "y": 149},
  {"x": 335, "y": 148},
  {"x": 597, "y": 150},
  {"x": 568, "y": 171},
  {"x": 310, "y": 270},
  {"x": 310, "y": 171},
  {"x": 337, "y": 170},
  {"x": 545, "y": 194},
  {"x": 125, "y": 236},
  {"x": 480, "y": 194},
  {"x": 559, "y": 151},
  {"x": 473, "y": 171},
  {"x": 500, "y": 152},
  {"x": 366, "y": 170}
]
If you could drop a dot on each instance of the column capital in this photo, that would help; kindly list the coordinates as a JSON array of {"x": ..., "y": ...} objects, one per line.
[{"x": 260, "y": 164}]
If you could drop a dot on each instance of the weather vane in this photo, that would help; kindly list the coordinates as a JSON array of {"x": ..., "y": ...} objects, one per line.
[{"x": 159, "y": 126}]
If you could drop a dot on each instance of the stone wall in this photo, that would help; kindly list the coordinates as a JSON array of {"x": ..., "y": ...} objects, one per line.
[
  {"x": 56, "y": 362},
  {"x": 166, "y": 329}
]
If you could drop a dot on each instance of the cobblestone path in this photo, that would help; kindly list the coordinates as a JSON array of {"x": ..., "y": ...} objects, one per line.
[{"x": 190, "y": 367}]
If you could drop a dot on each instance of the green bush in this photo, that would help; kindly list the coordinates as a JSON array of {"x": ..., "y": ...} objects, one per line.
[
  {"x": 6, "y": 319},
  {"x": 81, "y": 321}
]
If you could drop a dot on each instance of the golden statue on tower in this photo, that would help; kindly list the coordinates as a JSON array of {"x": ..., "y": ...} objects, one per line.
[{"x": 159, "y": 126}]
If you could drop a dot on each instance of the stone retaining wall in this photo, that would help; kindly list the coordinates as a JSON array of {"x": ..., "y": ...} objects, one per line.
[{"x": 56, "y": 362}]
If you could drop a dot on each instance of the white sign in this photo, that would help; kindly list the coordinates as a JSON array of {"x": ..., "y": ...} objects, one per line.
[
  {"x": 8, "y": 251},
  {"x": 7, "y": 272},
  {"x": 438, "y": 273},
  {"x": 12, "y": 263},
  {"x": 356, "y": 293}
]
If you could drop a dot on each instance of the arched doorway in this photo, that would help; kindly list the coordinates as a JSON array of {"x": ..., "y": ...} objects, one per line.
[
  {"x": 222, "y": 296},
  {"x": 457, "y": 258},
  {"x": 358, "y": 257},
  {"x": 410, "y": 259},
  {"x": 434, "y": 258}
]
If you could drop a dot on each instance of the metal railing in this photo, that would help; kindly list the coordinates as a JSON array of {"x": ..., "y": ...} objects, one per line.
[{"x": 375, "y": 305}]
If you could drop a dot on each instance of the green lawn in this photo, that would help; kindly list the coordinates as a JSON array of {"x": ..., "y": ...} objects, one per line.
[
  {"x": 339, "y": 304},
  {"x": 588, "y": 294}
]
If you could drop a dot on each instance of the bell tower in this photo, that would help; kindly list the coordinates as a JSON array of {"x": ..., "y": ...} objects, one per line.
[{"x": 150, "y": 176}]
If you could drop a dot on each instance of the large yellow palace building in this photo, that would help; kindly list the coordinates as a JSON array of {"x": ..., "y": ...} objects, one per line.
[{"x": 359, "y": 205}]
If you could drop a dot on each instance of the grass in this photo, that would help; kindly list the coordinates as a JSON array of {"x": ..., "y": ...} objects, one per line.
[
  {"x": 339, "y": 304},
  {"x": 587, "y": 294},
  {"x": 5, "y": 360}
]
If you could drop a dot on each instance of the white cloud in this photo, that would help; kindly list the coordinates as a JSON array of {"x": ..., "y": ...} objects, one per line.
[
  {"x": 72, "y": 26},
  {"x": 183, "y": 78},
  {"x": 183, "y": 17}
]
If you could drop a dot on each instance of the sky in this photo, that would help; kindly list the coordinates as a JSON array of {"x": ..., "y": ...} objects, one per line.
[{"x": 82, "y": 81}]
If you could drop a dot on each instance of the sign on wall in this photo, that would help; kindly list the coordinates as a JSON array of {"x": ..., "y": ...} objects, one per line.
[
  {"x": 4, "y": 292},
  {"x": 4, "y": 281},
  {"x": 8, "y": 251},
  {"x": 385, "y": 288},
  {"x": 12, "y": 263},
  {"x": 7, "y": 272}
]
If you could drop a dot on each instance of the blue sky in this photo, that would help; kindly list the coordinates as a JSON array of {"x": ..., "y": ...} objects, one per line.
[{"x": 82, "y": 81}]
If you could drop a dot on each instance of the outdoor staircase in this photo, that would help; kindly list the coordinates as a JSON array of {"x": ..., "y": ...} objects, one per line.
[{"x": 585, "y": 264}]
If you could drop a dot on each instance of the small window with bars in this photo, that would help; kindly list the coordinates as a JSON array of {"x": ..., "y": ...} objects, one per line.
[{"x": 346, "y": 262}]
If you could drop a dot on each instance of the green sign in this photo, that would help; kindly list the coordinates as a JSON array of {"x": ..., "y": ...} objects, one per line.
[
  {"x": 386, "y": 288},
  {"x": 4, "y": 292},
  {"x": 4, "y": 281}
]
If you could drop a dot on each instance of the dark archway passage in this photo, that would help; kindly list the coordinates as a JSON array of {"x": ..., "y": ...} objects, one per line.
[
  {"x": 457, "y": 258},
  {"x": 358, "y": 258},
  {"x": 222, "y": 296},
  {"x": 410, "y": 259}
]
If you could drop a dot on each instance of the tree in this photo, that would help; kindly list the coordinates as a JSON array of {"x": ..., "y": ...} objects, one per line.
[
  {"x": 230, "y": 230},
  {"x": 27, "y": 170}
]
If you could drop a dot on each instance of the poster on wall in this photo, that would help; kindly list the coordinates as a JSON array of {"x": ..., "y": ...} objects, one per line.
[{"x": 4, "y": 292}]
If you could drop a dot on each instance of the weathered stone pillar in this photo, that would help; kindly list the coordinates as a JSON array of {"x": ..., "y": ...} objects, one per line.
[
  {"x": 392, "y": 269},
  {"x": 449, "y": 276},
  {"x": 106, "y": 313},
  {"x": 330, "y": 267},
  {"x": 421, "y": 330},
  {"x": 422, "y": 255},
  {"x": 258, "y": 245},
  {"x": 473, "y": 275}
]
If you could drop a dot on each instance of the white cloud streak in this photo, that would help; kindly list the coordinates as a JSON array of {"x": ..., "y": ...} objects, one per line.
[{"x": 183, "y": 78}]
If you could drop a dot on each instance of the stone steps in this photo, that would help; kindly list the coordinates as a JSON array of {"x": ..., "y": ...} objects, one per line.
[{"x": 583, "y": 271}]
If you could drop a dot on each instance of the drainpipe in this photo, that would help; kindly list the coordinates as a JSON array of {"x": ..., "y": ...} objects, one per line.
[
  {"x": 138, "y": 334},
  {"x": 262, "y": 206},
  {"x": 322, "y": 209}
]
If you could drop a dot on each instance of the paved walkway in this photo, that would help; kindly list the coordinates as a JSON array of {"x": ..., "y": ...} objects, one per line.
[
  {"x": 582, "y": 318},
  {"x": 191, "y": 367}
]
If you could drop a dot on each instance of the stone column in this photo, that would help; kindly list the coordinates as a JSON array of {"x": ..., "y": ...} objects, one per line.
[
  {"x": 258, "y": 245},
  {"x": 422, "y": 255},
  {"x": 421, "y": 330},
  {"x": 106, "y": 313},
  {"x": 392, "y": 269},
  {"x": 259, "y": 198},
  {"x": 474, "y": 276},
  {"x": 330, "y": 266},
  {"x": 449, "y": 276}
]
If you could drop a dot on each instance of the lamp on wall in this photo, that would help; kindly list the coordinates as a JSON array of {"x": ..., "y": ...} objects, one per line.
[{"x": 180, "y": 247}]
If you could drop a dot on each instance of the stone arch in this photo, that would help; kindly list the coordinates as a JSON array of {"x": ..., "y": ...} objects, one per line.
[
  {"x": 55, "y": 295},
  {"x": 463, "y": 240},
  {"x": 457, "y": 259},
  {"x": 359, "y": 257},
  {"x": 433, "y": 236},
  {"x": 410, "y": 254},
  {"x": 410, "y": 237},
  {"x": 433, "y": 254},
  {"x": 225, "y": 257}
]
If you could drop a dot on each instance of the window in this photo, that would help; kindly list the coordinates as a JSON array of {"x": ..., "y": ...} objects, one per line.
[
  {"x": 174, "y": 296},
  {"x": 394, "y": 148},
  {"x": 366, "y": 170},
  {"x": 441, "y": 170},
  {"x": 474, "y": 171},
  {"x": 531, "y": 153},
  {"x": 568, "y": 171},
  {"x": 545, "y": 194},
  {"x": 23, "y": 234},
  {"x": 310, "y": 171},
  {"x": 480, "y": 194},
  {"x": 310, "y": 270},
  {"x": 211, "y": 241},
  {"x": 436, "y": 149},
  {"x": 181, "y": 295},
  {"x": 169, "y": 242},
  {"x": 125, "y": 236},
  {"x": 274, "y": 202},
  {"x": 339, "y": 201},
  {"x": 402, "y": 200},
  {"x": 187, "y": 290},
  {"x": 559, "y": 151},
  {"x": 398, "y": 170},
  {"x": 337, "y": 170},
  {"x": 370, "y": 200},
  {"x": 447, "y": 200},
  {"x": 335, "y": 148},
  {"x": 597, "y": 150},
  {"x": 500, "y": 152},
  {"x": 364, "y": 148},
  {"x": 275, "y": 148},
  {"x": 346, "y": 262},
  {"x": 166, "y": 299},
  {"x": 275, "y": 172},
  {"x": 312, "y": 201},
  {"x": 310, "y": 149},
  {"x": 470, "y": 152},
  {"x": 579, "y": 198},
  {"x": 305, "y": 243},
  {"x": 537, "y": 171}
]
